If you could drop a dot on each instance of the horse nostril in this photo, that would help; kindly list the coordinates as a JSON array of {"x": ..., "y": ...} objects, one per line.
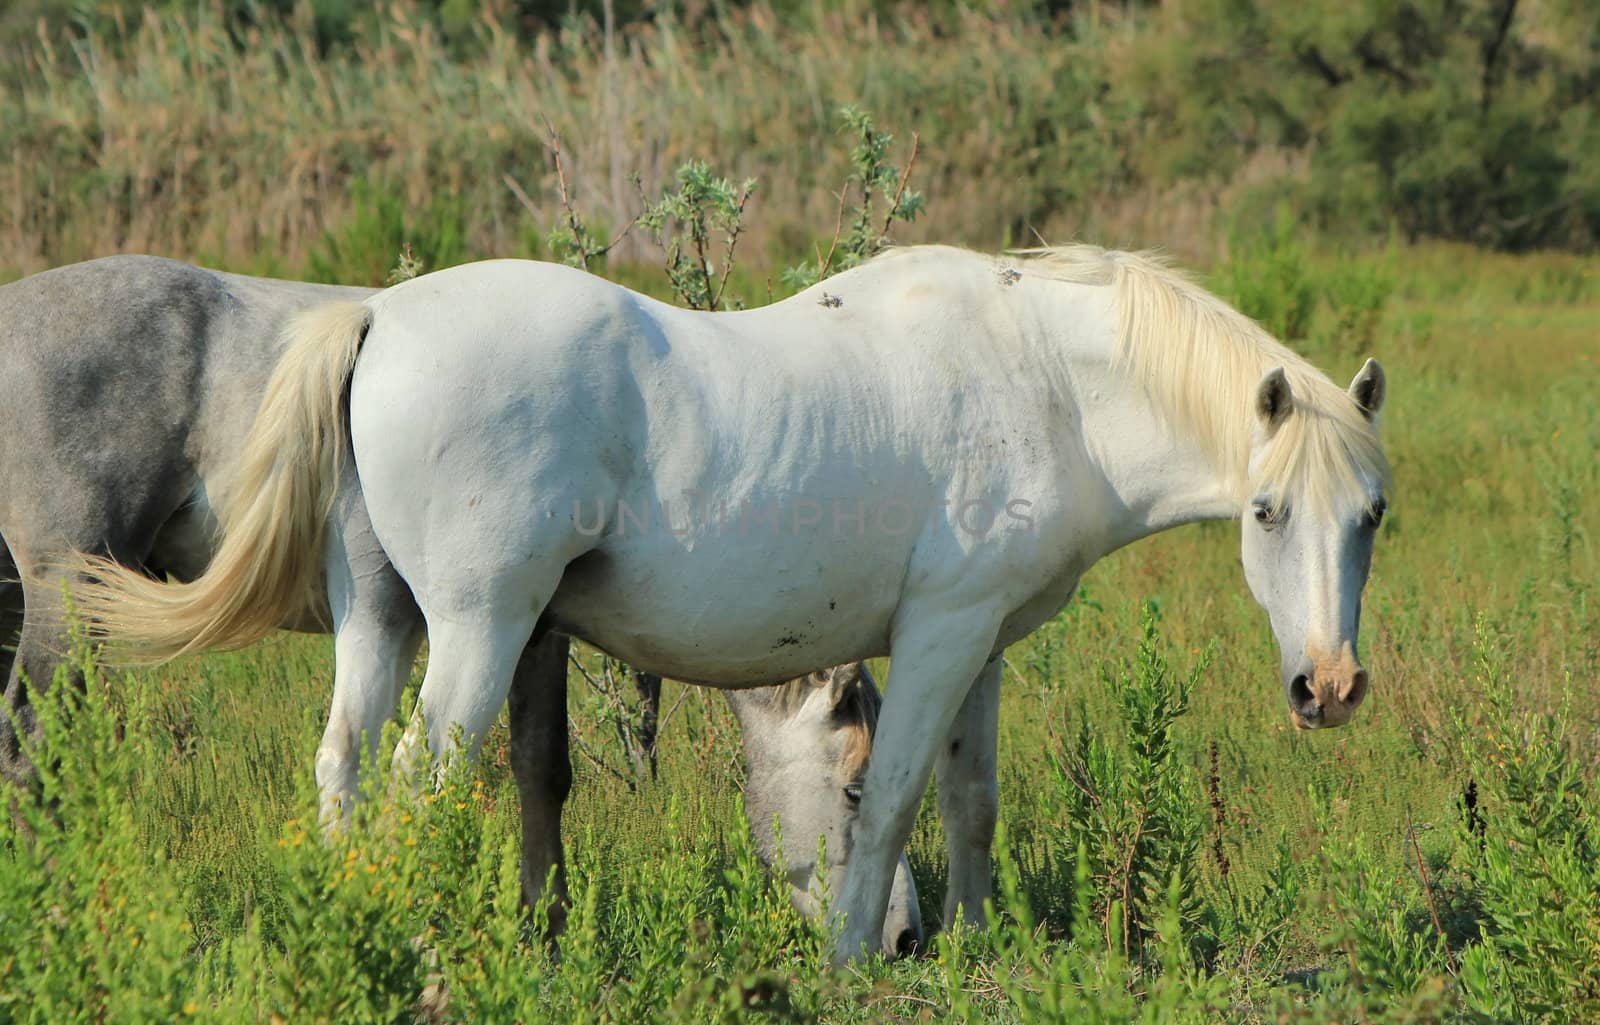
[
  {"x": 1352, "y": 693},
  {"x": 906, "y": 945},
  {"x": 1300, "y": 696}
]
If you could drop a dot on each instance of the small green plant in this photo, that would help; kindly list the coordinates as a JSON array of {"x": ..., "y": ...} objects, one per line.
[
  {"x": 684, "y": 223},
  {"x": 1530, "y": 853},
  {"x": 1358, "y": 291},
  {"x": 381, "y": 223},
  {"x": 1269, "y": 278},
  {"x": 571, "y": 241},
  {"x": 92, "y": 925},
  {"x": 1135, "y": 811},
  {"x": 406, "y": 266},
  {"x": 872, "y": 179}
]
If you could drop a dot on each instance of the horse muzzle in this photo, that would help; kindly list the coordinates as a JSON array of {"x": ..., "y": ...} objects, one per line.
[{"x": 1325, "y": 692}]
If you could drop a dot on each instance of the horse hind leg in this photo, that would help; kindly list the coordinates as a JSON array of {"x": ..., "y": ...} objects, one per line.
[
  {"x": 541, "y": 763},
  {"x": 472, "y": 658}
]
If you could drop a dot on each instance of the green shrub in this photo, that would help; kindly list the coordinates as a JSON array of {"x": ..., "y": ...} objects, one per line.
[
  {"x": 1530, "y": 855},
  {"x": 362, "y": 250},
  {"x": 1269, "y": 278},
  {"x": 1132, "y": 813}
]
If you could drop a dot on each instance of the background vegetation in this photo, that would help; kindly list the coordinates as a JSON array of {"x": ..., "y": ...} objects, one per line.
[
  {"x": 241, "y": 133},
  {"x": 1172, "y": 850}
]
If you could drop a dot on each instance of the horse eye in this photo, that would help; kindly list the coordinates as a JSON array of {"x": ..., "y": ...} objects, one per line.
[
  {"x": 852, "y": 793},
  {"x": 1267, "y": 515},
  {"x": 1375, "y": 515}
]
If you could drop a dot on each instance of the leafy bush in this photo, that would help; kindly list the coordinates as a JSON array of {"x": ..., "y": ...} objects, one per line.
[
  {"x": 1268, "y": 277},
  {"x": 361, "y": 250},
  {"x": 1529, "y": 851},
  {"x": 1133, "y": 813}
]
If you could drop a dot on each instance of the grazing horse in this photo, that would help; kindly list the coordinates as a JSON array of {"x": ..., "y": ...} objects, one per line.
[
  {"x": 919, "y": 457},
  {"x": 127, "y": 387}
]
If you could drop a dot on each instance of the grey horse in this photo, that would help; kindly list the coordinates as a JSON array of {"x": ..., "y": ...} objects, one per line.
[{"x": 127, "y": 385}]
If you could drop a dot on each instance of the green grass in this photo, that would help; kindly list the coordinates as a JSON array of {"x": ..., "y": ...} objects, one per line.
[{"x": 189, "y": 830}]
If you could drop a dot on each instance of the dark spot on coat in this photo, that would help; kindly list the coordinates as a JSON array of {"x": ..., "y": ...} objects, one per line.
[
  {"x": 832, "y": 605},
  {"x": 830, "y": 301},
  {"x": 789, "y": 639},
  {"x": 955, "y": 748}
]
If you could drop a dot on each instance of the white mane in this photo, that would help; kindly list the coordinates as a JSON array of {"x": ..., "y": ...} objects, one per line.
[{"x": 1201, "y": 361}]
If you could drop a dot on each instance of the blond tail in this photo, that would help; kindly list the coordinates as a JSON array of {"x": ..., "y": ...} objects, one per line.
[{"x": 270, "y": 556}]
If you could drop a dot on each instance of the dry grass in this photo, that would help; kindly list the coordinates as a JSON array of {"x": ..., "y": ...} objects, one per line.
[{"x": 170, "y": 138}]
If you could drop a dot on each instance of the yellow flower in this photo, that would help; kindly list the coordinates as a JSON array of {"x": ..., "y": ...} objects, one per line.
[{"x": 191, "y": 1008}]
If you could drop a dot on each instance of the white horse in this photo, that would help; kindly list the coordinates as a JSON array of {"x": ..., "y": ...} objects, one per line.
[{"x": 917, "y": 458}]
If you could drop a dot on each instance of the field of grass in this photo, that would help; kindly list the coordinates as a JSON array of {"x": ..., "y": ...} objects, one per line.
[
  {"x": 1335, "y": 876},
  {"x": 1169, "y": 853}
]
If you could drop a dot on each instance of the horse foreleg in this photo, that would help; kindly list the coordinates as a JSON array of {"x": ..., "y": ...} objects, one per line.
[
  {"x": 969, "y": 796},
  {"x": 542, "y": 765},
  {"x": 935, "y": 657}
]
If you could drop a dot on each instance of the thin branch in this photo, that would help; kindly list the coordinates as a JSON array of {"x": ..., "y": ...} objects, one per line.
[
  {"x": 727, "y": 254},
  {"x": 905, "y": 177},
  {"x": 1491, "y": 52},
  {"x": 1313, "y": 57},
  {"x": 598, "y": 763},
  {"x": 699, "y": 239},
  {"x": 838, "y": 228},
  {"x": 522, "y": 197},
  {"x": 1427, "y": 890},
  {"x": 1375, "y": 61},
  {"x": 573, "y": 224},
  {"x": 683, "y": 693}
]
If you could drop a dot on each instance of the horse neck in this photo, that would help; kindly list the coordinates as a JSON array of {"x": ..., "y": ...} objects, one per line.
[{"x": 1154, "y": 476}]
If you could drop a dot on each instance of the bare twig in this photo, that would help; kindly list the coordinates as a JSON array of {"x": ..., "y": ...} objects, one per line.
[
  {"x": 894, "y": 205},
  {"x": 727, "y": 254},
  {"x": 1427, "y": 890},
  {"x": 573, "y": 224},
  {"x": 824, "y": 262},
  {"x": 522, "y": 197},
  {"x": 699, "y": 239},
  {"x": 600, "y": 764},
  {"x": 683, "y": 693}
]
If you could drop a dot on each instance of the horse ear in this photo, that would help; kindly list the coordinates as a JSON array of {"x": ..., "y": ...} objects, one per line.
[
  {"x": 1274, "y": 399},
  {"x": 842, "y": 682},
  {"x": 1370, "y": 388}
]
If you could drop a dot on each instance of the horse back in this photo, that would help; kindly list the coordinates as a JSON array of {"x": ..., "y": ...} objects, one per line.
[{"x": 124, "y": 382}]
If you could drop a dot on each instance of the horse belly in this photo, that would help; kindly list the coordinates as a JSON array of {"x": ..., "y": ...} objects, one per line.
[{"x": 729, "y": 614}]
